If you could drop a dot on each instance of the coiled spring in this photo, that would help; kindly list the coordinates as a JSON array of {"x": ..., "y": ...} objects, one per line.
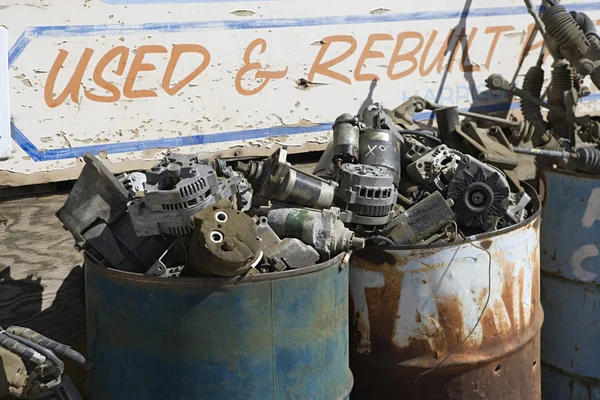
[{"x": 589, "y": 160}]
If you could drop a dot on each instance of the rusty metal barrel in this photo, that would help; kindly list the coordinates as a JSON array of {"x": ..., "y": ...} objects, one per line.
[
  {"x": 457, "y": 321},
  {"x": 270, "y": 336},
  {"x": 570, "y": 284}
]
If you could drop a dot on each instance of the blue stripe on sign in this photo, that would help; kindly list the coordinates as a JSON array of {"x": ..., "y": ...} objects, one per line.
[
  {"x": 115, "y": 29},
  {"x": 17, "y": 48},
  {"x": 166, "y": 143}
]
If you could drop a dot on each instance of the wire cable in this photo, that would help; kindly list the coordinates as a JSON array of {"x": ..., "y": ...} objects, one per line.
[{"x": 485, "y": 306}]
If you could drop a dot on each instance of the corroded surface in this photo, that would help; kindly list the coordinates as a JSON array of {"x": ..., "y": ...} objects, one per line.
[{"x": 411, "y": 308}]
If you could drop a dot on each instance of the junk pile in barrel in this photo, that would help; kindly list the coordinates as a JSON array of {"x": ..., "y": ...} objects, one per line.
[
  {"x": 383, "y": 180},
  {"x": 562, "y": 138}
]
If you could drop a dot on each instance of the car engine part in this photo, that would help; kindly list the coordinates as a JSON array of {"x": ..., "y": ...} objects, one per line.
[
  {"x": 32, "y": 366},
  {"x": 289, "y": 253},
  {"x": 134, "y": 182},
  {"x": 448, "y": 122},
  {"x": 435, "y": 169},
  {"x": 224, "y": 242},
  {"x": 175, "y": 191},
  {"x": 480, "y": 193},
  {"x": 488, "y": 145},
  {"x": 566, "y": 38},
  {"x": 96, "y": 195},
  {"x": 117, "y": 246},
  {"x": 171, "y": 262},
  {"x": 380, "y": 143},
  {"x": 15, "y": 375},
  {"x": 365, "y": 194},
  {"x": 516, "y": 211},
  {"x": 322, "y": 230},
  {"x": 346, "y": 133},
  {"x": 95, "y": 214},
  {"x": 276, "y": 179},
  {"x": 325, "y": 169},
  {"x": 413, "y": 150},
  {"x": 587, "y": 159},
  {"x": 421, "y": 221}
]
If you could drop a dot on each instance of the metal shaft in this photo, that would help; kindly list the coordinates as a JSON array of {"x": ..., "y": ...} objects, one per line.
[{"x": 545, "y": 153}]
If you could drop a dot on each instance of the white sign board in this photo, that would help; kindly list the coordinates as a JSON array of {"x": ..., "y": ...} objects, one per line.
[
  {"x": 5, "y": 139},
  {"x": 130, "y": 79}
]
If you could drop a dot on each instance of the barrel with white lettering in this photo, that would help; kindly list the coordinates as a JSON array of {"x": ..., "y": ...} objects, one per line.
[
  {"x": 570, "y": 286},
  {"x": 451, "y": 321}
]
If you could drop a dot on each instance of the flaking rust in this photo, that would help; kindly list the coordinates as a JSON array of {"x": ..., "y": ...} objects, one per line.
[{"x": 413, "y": 310}]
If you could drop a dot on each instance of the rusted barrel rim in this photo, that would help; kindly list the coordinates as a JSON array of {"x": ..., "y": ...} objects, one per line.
[
  {"x": 536, "y": 206},
  {"x": 211, "y": 281}
]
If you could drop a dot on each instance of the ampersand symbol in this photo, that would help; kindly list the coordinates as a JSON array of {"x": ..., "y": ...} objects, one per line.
[{"x": 260, "y": 74}]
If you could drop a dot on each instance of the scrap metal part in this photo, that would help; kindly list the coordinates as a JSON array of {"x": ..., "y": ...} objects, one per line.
[
  {"x": 276, "y": 179},
  {"x": 174, "y": 193},
  {"x": 346, "y": 133},
  {"x": 95, "y": 214},
  {"x": 171, "y": 263},
  {"x": 480, "y": 193},
  {"x": 421, "y": 221},
  {"x": 32, "y": 366},
  {"x": 135, "y": 182},
  {"x": 289, "y": 253},
  {"x": 224, "y": 242},
  {"x": 14, "y": 374},
  {"x": 567, "y": 39},
  {"x": 413, "y": 149},
  {"x": 365, "y": 194},
  {"x": 117, "y": 246},
  {"x": 516, "y": 211},
  {"x": 322, "y": 230},
  {"x": 435, "y": 169},
  {"x": 96, "y": 195},
  {"x": 380, "y": 148}
]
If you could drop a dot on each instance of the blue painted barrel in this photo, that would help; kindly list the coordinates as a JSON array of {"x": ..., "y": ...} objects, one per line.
[
  {"x": 570, "y": 286},
  {"x": 273, "y": 336}
]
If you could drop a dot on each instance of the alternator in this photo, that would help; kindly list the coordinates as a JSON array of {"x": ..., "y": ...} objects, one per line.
[
  {"x": 176, "y": 189},
  {"x": 480, "y": 193},
  {"x": 435, "y": 169},
  {"x": 366, "y": 195}
]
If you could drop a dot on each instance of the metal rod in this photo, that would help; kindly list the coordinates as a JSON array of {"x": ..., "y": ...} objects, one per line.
[
  {"x": 496, "y": 120},
  {"x": 545, "y": 153}
]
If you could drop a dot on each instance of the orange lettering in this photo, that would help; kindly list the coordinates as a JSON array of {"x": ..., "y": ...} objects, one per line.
[
  {"x": 137, "y": 66},
  {"x": 408, "y": 56},
  {"x": 439, "y": 58},
  {"x": 72, "y": 88},
  {"x": 526, "y": 48},
  {"x": 368, "y": 53},
  {"x": 176, "y": 53},
  {"x": 120, "y": 51},
  {"x": 324, "y": 68},
  {"x": 497, "y": 31},
  {"x": 249, "y": 66},
  {"x": 466, "y": 45}
]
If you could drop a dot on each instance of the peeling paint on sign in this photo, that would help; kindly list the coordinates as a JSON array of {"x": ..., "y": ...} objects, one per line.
[{"x": 206, "y": 77}]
